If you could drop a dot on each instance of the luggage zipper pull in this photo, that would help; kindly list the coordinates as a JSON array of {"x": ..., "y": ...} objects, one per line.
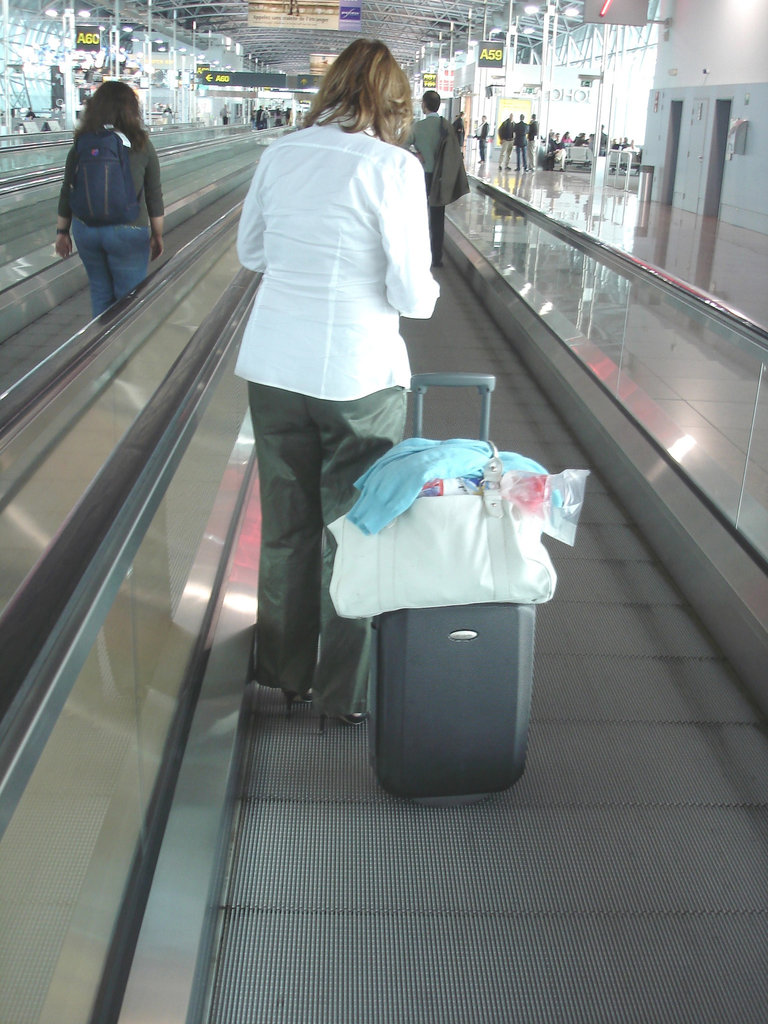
[{"x": 492, "y": 485}]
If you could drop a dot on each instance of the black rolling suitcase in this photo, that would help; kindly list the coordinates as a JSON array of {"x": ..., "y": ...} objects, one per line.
[{"x": 451, "y": 686}]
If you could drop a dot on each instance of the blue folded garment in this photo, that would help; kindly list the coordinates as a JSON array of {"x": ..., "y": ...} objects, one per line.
[{"x": 394, "y": 481}]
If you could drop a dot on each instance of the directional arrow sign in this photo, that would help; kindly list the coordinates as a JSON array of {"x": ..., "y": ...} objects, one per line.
[{"x": 241, "y": 78}]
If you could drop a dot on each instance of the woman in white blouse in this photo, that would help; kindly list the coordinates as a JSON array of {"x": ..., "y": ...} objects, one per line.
[{"x": 336, "y": 219}]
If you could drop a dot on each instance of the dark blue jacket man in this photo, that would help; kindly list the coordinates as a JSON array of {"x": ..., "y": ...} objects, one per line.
[{"x": 521, "y": 142}]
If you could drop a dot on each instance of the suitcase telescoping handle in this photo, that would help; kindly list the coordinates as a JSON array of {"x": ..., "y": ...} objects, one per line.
[{"x": 484, "y": 382}]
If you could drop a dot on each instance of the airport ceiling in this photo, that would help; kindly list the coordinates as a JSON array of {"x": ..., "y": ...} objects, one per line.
[{"x": 405, "y": 26}]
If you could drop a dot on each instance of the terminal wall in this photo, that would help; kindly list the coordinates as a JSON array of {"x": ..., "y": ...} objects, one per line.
[{"x": 711, "y": 73}]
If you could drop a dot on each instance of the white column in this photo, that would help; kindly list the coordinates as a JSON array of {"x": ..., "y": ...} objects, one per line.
[
  {"x": 6, "y": 70},
  {"x": 149, "y": 63},
  {"x": 70, "y": 99}
]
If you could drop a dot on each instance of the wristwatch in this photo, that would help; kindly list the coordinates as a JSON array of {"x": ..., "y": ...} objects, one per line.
[{"x": 62, "y": 231}]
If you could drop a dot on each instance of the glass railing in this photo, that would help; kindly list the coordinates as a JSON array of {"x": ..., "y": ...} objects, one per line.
[
  {"x": 48, "y": 465},
  {"x": 21, "y": 154},
  {"x": 690, "y": 372},
  {"x": 27, "y": 218},
  {"x": 101, "y": 692}
]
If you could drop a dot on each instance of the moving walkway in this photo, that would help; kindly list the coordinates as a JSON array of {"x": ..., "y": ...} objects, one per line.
[{"x": 174, "y": 847}]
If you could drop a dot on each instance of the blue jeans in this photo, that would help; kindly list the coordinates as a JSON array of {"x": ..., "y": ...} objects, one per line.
[{"x": 115, "y": 257}]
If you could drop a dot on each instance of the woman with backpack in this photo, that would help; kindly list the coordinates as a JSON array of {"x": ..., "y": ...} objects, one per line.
[{"x": 111, "y": 201}]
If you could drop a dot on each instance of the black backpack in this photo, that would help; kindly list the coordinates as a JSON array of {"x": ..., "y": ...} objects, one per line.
[{"x": 102, "y": 190}]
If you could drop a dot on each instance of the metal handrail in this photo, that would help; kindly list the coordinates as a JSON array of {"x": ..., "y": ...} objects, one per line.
[
  {"x": 50, "y": 624},
  {"x": 625, "y": 262}
]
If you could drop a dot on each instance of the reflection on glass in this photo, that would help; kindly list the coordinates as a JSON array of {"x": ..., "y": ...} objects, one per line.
[
  {"x": 68, "y": 851},
  {"x": 694, "y": 383},
  {"x": 49, "y": 466}
]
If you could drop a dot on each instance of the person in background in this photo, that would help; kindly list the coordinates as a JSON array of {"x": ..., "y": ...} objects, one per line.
[
  {"x": 482, "y": 137},
  {"x": 225, "y": 114},
  {"x": 116, "y": 256},
  {"x": 521, "y": 141},
  {"x": 335, "y": 219},
  {"x": 560, "y": 153},
  {"x": 425, "y": 139},
  {"x": 507, "y": 140},
  {"x": 533, "y": 134},
  {"x": 458, "y": 127}
]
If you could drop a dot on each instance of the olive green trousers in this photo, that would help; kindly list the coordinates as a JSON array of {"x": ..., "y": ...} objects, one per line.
[{"x": 310, "y": 451}]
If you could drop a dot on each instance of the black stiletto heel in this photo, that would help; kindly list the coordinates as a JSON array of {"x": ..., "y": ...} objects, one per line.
[
  {"x": 356, "y": 718},
  {"x": 292, "y": 698}
]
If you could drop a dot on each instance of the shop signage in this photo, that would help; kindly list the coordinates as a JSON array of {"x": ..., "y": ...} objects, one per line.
[
  {"x": 490, "y": 54},
  {"x": 445, "y": 81},
  {"x": 338, "y": 15},
  {"x": 429, "y": 79},
  {"x": 87, "y": 39}
]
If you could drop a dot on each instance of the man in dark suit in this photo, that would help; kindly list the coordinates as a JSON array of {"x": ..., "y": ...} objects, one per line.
[
  {"x": 425, "y": 139},
  {"x": 521, "y": 142},
  {"x": 482, "y": 138},
  {"x": 458, "y": 127}
]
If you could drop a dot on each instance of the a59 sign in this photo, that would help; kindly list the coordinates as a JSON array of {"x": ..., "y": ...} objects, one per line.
[{"x": 490, "y": 54}]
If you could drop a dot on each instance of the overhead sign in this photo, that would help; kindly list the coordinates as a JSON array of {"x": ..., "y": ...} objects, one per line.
[
  {"x": 320, "y": 14},
  {"x": 490, "y": 54},
  {"x": 241, "y": 79},
  {"x": 87, "y": 39},
  {"x": 429, "y": 79},
  {"x": 615, "y": 12},
  {"x": 320, "y": 62},
  {"x": 303, "y": 81}
]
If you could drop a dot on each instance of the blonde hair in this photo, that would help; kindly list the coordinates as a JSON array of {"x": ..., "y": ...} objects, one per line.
[{"x": 365, "y": 87}]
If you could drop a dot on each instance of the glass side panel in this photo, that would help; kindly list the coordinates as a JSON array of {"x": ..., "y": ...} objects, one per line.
[
  {"x": 751, "y": 518},
  {"x": 26, "y": 216},
  {"x": 67, "y": 853},
  {"x": 691, "y": 382},
  {"x": 48, "y": 466}
]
